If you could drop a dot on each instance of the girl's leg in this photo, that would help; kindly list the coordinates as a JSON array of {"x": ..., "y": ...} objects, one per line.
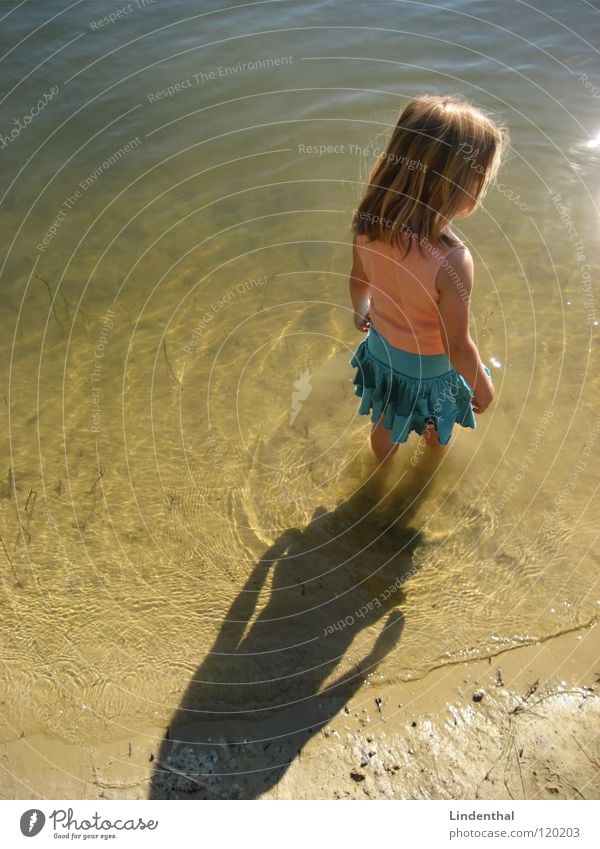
[
  {"x": 381, "y": 444},
  {"x": 432, "y": 439}
]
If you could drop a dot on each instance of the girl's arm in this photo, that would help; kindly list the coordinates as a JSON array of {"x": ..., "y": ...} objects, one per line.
[
  {"x": 454, "y": 283},
  {"x": 359, "y": 292}
]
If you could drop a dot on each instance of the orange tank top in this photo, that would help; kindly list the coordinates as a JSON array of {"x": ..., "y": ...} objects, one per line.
[{"x": 404, "y": 299}]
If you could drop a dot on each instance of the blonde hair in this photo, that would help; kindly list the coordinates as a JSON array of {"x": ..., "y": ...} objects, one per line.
[{"x": 443, "y": 153}]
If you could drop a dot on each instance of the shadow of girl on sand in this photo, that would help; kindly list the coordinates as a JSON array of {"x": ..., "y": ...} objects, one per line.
[{"x": 330, "y": 612}]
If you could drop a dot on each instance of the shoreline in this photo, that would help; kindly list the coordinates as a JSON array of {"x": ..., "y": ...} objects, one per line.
[
  {"x": 442, "y": 744},
  {"x": 530, "y": 733}
]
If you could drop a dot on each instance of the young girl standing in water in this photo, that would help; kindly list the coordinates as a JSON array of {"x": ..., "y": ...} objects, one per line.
[{"x": 418, "y": 368}]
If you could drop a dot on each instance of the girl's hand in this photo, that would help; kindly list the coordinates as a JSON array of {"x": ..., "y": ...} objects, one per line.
[
  {"x": 483, "y": 397},
  {"x": 362, "y": 323}
]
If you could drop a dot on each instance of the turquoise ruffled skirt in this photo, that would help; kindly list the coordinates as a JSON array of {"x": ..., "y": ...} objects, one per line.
[{"x": 411, "y": 390}]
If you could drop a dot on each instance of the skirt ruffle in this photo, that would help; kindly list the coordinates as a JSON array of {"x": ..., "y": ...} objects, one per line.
[{"x": 410, "y": 403}]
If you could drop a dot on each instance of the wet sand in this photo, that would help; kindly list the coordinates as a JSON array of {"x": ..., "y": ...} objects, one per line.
[{"x": 533, "y": 734}]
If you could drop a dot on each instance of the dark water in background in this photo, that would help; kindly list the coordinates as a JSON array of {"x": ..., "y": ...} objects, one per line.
[{"x": 152, "y": 455}]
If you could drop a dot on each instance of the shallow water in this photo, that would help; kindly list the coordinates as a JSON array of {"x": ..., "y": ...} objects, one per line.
[{"x": 168, "y": 511}]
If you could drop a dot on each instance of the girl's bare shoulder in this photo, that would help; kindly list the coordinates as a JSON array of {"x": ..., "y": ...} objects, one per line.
[{"x": 456, "y": 271}]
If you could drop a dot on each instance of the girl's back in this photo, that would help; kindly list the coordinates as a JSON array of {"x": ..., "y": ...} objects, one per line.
[
  {"x": 403, "y": 307},
  {"x": 437, "y": 165}
]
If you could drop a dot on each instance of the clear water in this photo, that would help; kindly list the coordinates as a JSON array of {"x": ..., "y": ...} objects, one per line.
[{"x": 166, "y": 513}]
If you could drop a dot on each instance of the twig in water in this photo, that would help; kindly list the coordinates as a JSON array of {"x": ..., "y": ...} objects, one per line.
[
  {"x": 18, "y": 314},
  {"x": 168, "y": 363},
  {"x": 82, "y": 526},
  {"x": 128, "y": 315},
  {"x": 69, "y": 305},
  {"x": 62, "y": 294},
  {"x": 10, "y": 483},
  {"x": 101, "y": 475},
  {"x": 23, "y": 532},
  {"x": 12, "y": 566},
  {"x": 47, "y": 285},
  {"x": 34, "y": 493}
]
